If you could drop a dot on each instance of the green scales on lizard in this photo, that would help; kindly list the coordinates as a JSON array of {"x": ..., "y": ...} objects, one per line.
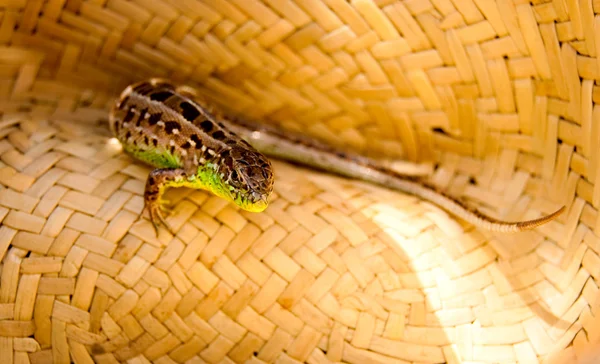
[{"x": 194, "y": 145}]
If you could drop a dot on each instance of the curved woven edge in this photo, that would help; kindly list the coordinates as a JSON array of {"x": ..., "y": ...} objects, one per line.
[{"x": 333, "y": 271}]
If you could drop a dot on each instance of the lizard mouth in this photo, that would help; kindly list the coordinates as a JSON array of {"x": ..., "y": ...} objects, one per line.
[
  {"x": 260, "y": 205},
  {"x": 254, "y": 202}
]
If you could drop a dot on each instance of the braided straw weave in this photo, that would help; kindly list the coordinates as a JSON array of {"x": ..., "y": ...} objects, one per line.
[{"x": 500, "y": 94}]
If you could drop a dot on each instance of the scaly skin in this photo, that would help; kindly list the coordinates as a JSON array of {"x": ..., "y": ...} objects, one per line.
[
  {"x": 189, "y": 148},
  {"x": 230, "y": 163}
]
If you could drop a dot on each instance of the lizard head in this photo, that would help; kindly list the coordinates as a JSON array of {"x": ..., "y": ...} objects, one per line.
[{"x": 246, "y": 177}]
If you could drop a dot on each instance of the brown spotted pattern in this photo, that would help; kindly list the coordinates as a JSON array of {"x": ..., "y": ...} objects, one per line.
[{"x": 175, "y": 134}]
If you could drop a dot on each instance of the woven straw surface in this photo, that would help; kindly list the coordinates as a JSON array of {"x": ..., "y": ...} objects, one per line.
[{"x": 500, "y": 94}]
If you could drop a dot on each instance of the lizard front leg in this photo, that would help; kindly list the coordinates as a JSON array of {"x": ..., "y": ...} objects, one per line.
[{"x": 157, "y": 182}]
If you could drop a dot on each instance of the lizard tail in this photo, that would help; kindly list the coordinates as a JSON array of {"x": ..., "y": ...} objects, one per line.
[
  {"x": 532, "y": 224},
  {"x": 467, "y": 213}
]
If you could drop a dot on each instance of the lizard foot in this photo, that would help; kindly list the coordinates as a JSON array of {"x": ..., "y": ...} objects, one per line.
[
  {"x": 157, "y": 180},
  {"x": 156, "y": 210}
]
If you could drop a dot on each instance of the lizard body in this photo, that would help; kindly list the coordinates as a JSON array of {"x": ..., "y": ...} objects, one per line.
[
  {"x": 194, "y": 144},
  {"x": 189, "y": 148}
]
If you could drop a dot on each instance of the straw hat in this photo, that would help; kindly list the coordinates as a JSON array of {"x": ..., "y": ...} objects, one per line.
[{"x": 498, "y": 96}]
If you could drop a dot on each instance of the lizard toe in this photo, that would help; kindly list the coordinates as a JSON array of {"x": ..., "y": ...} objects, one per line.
[
  {"x": 157, "y": 218},
  {"x": 163, "y": 206}
]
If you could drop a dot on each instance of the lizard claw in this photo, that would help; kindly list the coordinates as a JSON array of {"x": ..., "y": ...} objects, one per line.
[
  {"x": 155, "y": 211},
  {"x": 163, "y": 207},
  {"x": 157, "y": 181}
]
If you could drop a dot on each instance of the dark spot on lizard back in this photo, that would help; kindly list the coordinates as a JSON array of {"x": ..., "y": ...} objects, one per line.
[
  {"x": 170, "y": 126},
  {"x": 155, "y": 142},
  {"x": 141, "y": 117},
  {"x": 128, "y": 116},
  {"x": 143, "y": 88},
  {"x": 219, "y": 135},
  {"x": 124, "y": 101},
  {"x": 161, "y": 95},
  {"x": 189, "y": 111},
  {"x": 227, "y": 159},
  {"x": 196, "y": 139},
  {"x": 186, "y": 145},
  {"x": 154, "y": 118},
  {"x": 206, "y": 126},
  {"x": 127, "y": 135}
]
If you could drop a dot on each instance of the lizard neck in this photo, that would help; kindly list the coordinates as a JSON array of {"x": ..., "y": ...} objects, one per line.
[{"x": 208, "y": 178}]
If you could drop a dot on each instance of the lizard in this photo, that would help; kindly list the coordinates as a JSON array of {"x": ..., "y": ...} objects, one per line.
[{"x": 192, "y": 143}]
